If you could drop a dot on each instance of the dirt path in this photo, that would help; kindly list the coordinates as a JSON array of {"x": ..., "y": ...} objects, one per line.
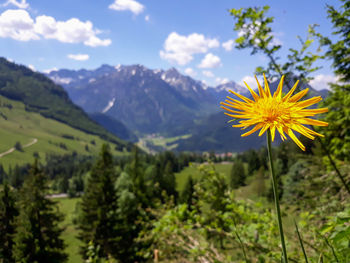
[
  {"x": 62, "y": 195},
  {"x": 35, "y": 140}
]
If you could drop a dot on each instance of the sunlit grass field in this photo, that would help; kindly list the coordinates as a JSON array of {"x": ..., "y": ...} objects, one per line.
[
  {"x": 67, "y": 206},
  {"x": 53, "y": 136}
]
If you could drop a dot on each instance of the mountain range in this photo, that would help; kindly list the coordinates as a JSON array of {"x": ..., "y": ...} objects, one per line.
[
  {"x": 146, "y": 101},
  {"x": 158, "y": 101}
]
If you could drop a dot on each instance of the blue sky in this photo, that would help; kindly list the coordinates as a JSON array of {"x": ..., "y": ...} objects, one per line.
[{"x": 192, "y": 36}]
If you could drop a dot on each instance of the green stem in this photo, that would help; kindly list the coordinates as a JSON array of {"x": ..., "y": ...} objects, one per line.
[
  {"x": 275, "y": 192},
  {"x": 301, "y": 241}
]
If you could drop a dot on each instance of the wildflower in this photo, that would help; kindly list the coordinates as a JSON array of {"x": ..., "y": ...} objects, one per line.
[{"x": 275, "y": 112}]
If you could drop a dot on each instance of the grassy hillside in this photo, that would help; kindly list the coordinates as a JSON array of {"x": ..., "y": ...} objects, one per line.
[
  {"x": 41, "y": 95},
  {"x": 20, "y": 125}
]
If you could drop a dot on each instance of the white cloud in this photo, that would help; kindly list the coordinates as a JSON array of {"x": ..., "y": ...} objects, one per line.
[
  {"x": 70, "y": 31},
  {"x": 210, "y": 61},
  {"x": 321, "y": 81},
  {"x": 190, "y": 72},
  {"x": 18, "y": 25},
  {"x": 48, "y": 71},
  {"x": 208, "y": 74},
  {"x": 79, "y": 57},
  {"x": 31, "y": 67},
  {"x": 228, "y": 45},
  {"x": 179, "y": 58},
  {"x": 23, "y": 4},
  {"x": 221, "y": 80},
  {"x": 127, "y": 5},
  {"x": 251, "y": 82},
  {"x": 180, "y": 49},
  {"x": 147, "y": 18}
]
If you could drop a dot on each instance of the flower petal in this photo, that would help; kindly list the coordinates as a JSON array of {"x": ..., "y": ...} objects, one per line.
[
  {"x": 312, "y": 122},
  {"x": 266, "y": 126},
  {"x": 278, "y": 92},
  {"x": 295, "y": 139},
  {"x": 257, "y": 127},
  {"x": 241, "y": 97},
  {"x": 261, "y": 91},
  {"x": 273, "y": 130},
  {"x": 267, "y": 89},
  {"x": 255, "y": 96},
  {"x": 285, "y": 98},
  {"x": 299, "y": 95},
  {"x": 308, "y": 102}
]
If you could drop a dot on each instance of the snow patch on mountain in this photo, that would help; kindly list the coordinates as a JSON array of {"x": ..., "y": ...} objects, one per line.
[
  {"x": 231, "y": 85},
  {"x": 59, "y": 80},
  {"x": 109, "y": 106}
]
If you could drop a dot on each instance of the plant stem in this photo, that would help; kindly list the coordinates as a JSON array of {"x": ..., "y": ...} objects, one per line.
[
  {"x": 275, "y": 192},
  {"x": 301, "y": 241}
]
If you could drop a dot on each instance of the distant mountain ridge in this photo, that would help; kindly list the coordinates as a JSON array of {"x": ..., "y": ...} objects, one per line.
[{"x": 146, "y": 100}]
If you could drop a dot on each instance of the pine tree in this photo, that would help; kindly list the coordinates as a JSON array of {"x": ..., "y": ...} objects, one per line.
[
  {"x": 128, "y": 213},
  {"x": 169, "y": 183},
  {"x": 98, "y": 218},
  {"x": 8, "y": 212},
  {"x": 2, "y": 174},
  {"x": 253, "y": 161},
  {"x": 187, "y": 195},
  {"x": 237, "y": 175},
  {"x": 137, "y": 174},
  {"x": 37, "y": 237}
]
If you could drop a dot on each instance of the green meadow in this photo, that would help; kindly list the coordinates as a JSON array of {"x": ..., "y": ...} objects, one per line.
[
  {"x": 19, "y": 125},
  {"x": 67, "y": 206}
]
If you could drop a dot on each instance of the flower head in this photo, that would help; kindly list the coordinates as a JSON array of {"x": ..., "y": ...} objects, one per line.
[{"x": 275, "y": 112}]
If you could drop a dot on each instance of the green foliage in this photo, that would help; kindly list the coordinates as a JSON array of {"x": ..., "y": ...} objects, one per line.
[
  {"x": 187, "y": 195},
  {"x": 8, "y": 212},
  {"x": 3, "y": 174},
  {"x": 256, "y": 34},
  {"x": 97, "y": 218},
  {"x": 338, "y": 102},
  {"x": 92, "y": 253},
  {"x": 338, "y": 131},
  {"x": 337, "y": 232},
  {"x": 237, "y": 175},
  {"x": 18, "y": 146},
  {"x": 218, "y": 221},
  {"x": 340, "y": 50},
  {"x": 38, "y": 235},
  {"x": 294, "y": 181},
  {"x": 260, "y": 185},
  {"x": 75, "y": 185},
  {"x": 253, "y": 161}
]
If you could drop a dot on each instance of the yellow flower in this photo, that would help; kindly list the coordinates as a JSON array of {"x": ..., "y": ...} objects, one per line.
[{"x": 283, "y": 114}]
